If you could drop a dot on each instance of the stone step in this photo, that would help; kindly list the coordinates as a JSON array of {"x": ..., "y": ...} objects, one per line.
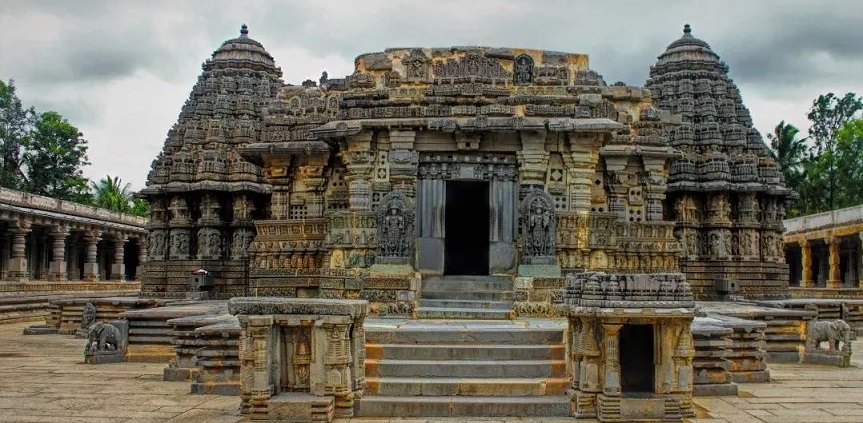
[
  {"x": 515, "y": 387},
  {"x": 458, "y": 303},
  {"x": 466, "y": 368},
  {"x": 464, "y": 352},
  {"x": 464, "y": 406},
  {"x": 475, "y": 335},
  {"x": 467, "y": 283},
  {"x": 466, "y": 295},
  {"x": 461, "y": 313}
]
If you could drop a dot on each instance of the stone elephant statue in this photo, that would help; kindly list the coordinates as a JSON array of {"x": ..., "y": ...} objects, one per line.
[
  {"x": 103, "y": 337},
  {"x": 832, "y": 331}
]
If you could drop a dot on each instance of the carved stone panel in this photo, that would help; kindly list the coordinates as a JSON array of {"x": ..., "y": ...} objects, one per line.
[
  {"x": 395, "y": 224},
  {"x": 538, "y": 227}
]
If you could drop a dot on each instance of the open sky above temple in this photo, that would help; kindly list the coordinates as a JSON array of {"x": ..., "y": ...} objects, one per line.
[{"x": 121, "y": 70}]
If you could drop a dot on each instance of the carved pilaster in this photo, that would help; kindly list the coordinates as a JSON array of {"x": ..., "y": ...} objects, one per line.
[
  {"x": 532, "y": 159},
  {"x": 611, "y": 343},
  {"x": 359, "y": 165}
]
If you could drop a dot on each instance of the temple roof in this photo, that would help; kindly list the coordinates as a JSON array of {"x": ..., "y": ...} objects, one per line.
[
  {"x": 243, "y": 49},
  {"x": 688, "y": 48}
]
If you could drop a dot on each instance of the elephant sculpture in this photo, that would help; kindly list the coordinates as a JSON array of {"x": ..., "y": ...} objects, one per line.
[
  {"x": 103, "y": 337},
  {"x": 832, "y": 331}
]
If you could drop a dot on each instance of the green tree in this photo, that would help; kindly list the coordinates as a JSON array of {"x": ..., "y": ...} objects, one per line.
[
  {"x": 54, "y": 155},
  {"x": 849, "y": 164},
  {"x": 829, "y": 113},
  {"x": 140, "y": 207},
  {"x": 789, "y": 153},
  {"x": 110, "y": 193},
  {"x": 16, "y": 123}
]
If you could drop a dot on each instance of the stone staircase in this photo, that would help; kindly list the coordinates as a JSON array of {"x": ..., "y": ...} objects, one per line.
[
  {"x": 465, "y": 297},
  {"x": 465, "y": 369}
]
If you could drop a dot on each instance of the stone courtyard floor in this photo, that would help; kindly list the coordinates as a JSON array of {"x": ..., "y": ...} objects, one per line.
[{"x": 42, "y": 379}]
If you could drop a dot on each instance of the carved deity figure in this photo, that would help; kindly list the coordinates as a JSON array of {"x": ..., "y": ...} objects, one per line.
[
  {"x": 395, "y": 226},
  {"x": 538, "y": 224},
  {"x": 88, "y": 316},
  {"x": 523, "y": 69}
]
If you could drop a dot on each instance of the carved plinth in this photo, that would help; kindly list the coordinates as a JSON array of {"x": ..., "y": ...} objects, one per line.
[{"x": 57, "y": 271}]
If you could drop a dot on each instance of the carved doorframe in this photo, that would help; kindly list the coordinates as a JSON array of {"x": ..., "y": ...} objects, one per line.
[{"x": 434, "y": 170}]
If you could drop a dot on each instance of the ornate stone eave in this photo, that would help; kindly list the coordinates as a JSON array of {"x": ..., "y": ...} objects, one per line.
[
  {"x": 181, "y": 187},
  {"x": 342, "y": 129},
  {"x": 10, "y": 212},
  {"x": 255, "y": 152},
  {"x": 718, "y": 186},
  {"x": 53, "y": 206}
]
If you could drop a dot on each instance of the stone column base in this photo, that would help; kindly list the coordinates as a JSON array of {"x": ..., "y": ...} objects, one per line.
[
  {"x": 91, "y": 272},
  {"x": 835, "y": 284},
  {"x": 17, "y": 269},
  {"x": 57, "y": 271},
  {"x": 118, "y": 272}
]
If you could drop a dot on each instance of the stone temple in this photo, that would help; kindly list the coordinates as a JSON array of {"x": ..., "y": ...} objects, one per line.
[
  {"x": 429, "y": 162},
  {"x": 480, "y": 184}
]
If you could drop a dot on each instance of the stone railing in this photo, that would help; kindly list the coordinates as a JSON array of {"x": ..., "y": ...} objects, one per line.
[
  {"x": 823, "y": 220},
  {"x": 318, "y": 371},
  {"x": 23, "y": 199}
]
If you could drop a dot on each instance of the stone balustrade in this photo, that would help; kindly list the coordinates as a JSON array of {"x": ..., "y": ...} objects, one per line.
[{"x": 317, "y": 373}]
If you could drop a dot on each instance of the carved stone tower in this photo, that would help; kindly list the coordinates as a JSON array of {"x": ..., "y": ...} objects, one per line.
[
  {"x": 726, "y": 192},
  {"x": 202, "y": 194}
]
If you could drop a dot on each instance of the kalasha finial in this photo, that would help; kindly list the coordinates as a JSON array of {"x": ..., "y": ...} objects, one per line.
[
  {"x": 687, "y": 29},
  {"x": 244, "y": 31}
]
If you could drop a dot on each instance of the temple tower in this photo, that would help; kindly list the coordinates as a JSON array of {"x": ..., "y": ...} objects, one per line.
[
  {"x": 202, "y": 194},
  {"x": 726, "y": 193}
]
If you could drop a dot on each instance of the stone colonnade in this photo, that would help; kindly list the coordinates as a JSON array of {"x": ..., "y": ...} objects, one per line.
[
  {"x": 827, "y": 261},
  {"x": 43, "y": 238},
  {"x": 42, "y": 249}
]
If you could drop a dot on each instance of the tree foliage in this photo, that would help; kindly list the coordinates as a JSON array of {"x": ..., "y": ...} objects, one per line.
[
  {"x": 16, "y": 123},
  {"x": 825, "y": 169},
  {"x": 44, "y": 154},
  {"x": 54, "y": 156}
]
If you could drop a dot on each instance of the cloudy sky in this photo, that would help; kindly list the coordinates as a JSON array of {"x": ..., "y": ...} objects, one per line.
[{"x": 121, "y": 70}]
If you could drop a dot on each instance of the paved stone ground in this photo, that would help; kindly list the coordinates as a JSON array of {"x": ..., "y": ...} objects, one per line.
[{"x": 43, "y": 380}]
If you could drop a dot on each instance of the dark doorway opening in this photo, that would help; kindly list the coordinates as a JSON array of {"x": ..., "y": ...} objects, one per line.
[
  {"x": 637, "y": 370},
  {"x": 467, "y": 220}
]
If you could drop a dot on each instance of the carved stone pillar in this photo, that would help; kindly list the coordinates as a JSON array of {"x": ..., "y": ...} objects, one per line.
[
  {"x": 806, "y": 264},
  {"x": 834, "y": 278},
  {"x": 611, "y": 343},
  {"x": 91, "y": 265},
  {"x": 17, "y": 267},
  {"x": 142, "y": 249},
  {"x": 581, "y": 165},
  {"x": 403, "y": 162},
  {"x": 58, "y": 269},
  {"x": 118, "y": 269}
]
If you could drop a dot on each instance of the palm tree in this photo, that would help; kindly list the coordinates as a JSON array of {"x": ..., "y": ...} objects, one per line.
[
  {"x": 112, "y": 194},
  {"x": 789, "y": 152}
]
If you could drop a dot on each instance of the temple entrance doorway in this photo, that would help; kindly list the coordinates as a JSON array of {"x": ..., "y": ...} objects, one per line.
[
  {"x": 466, "y": 244},
  {"x": 637, "y": 369}
]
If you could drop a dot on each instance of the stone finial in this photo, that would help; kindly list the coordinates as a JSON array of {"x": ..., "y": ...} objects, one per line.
[
  {"x": 687, "y": 29},
  {"x": 244, "y": 30}
]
